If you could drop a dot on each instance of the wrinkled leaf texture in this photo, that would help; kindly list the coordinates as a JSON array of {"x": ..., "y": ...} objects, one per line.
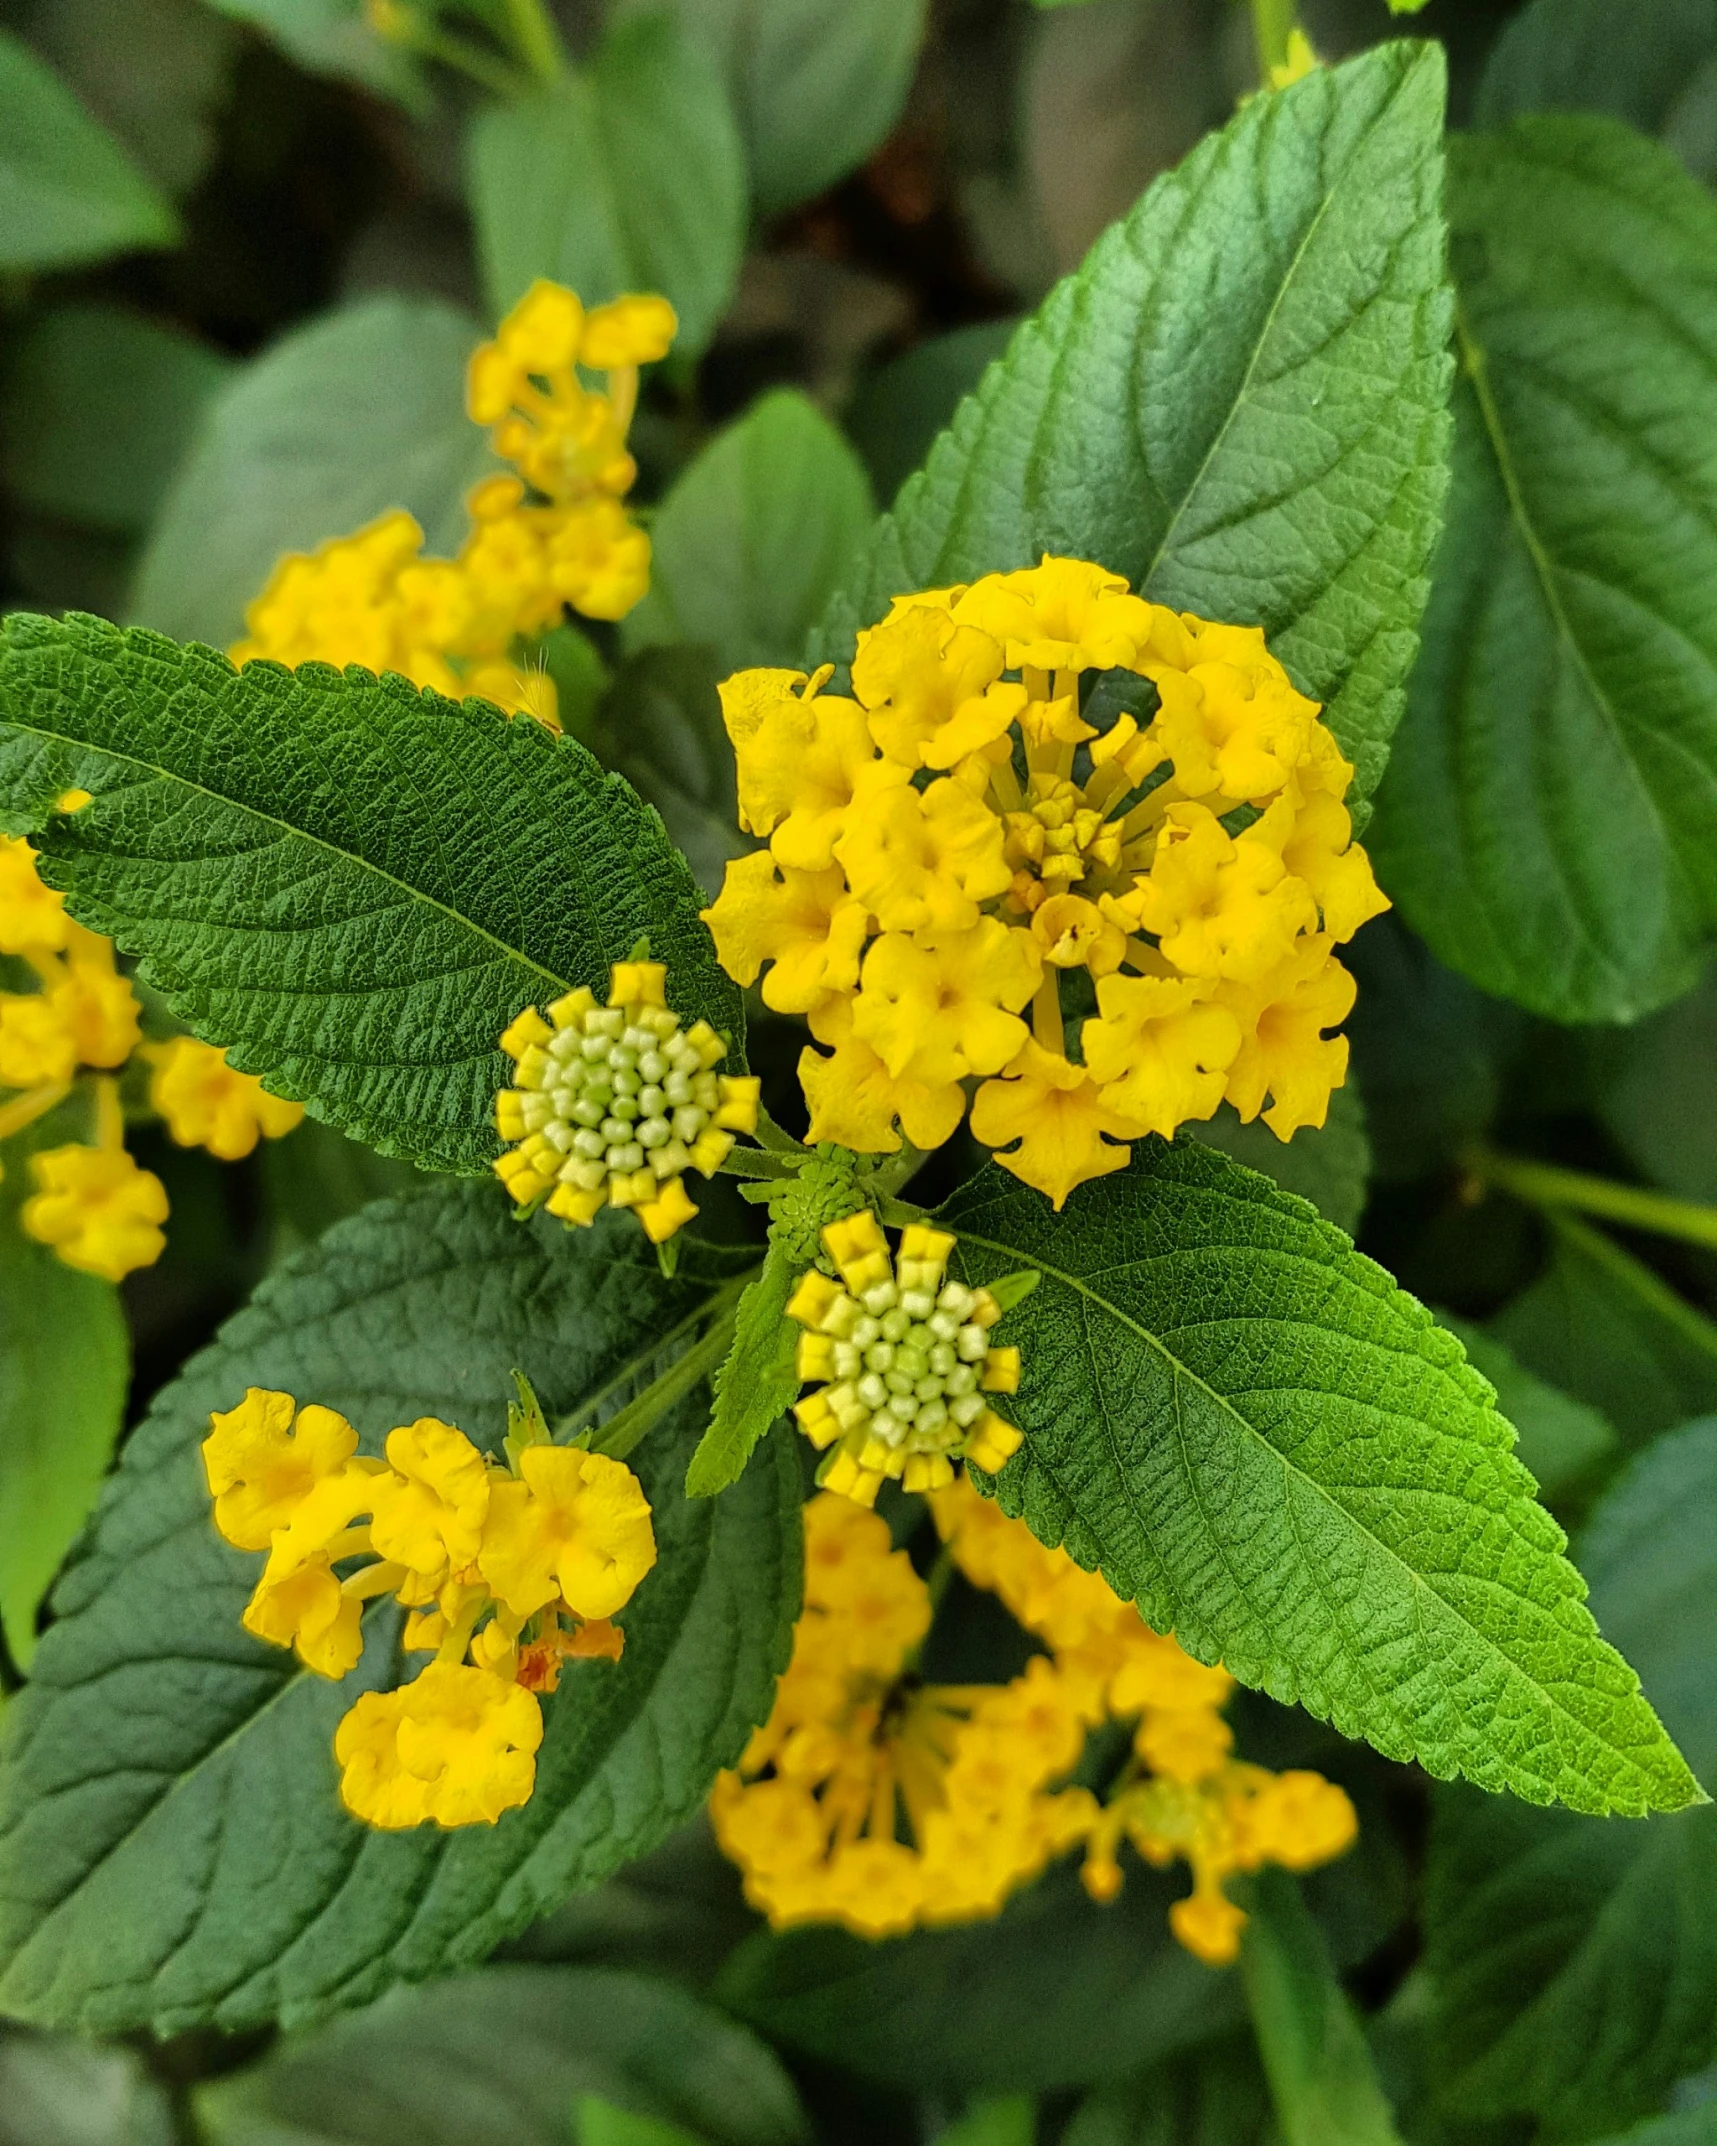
[
  {"x": 1550, "y": 822},
  {"x": 1237, "y": 402},
  {"x": 172, "y": 1847},
  {"x": 354, "y": 885},
  {"x": 1250, "y": 1430}
]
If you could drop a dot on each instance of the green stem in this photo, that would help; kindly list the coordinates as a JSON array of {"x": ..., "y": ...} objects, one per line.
[
  {"x": 625, "y": 1430},
  {"x": 470, "y": 60},
  {"x": 760, "y": 1162},
  {"x": 772, "y": 1135},
  {"x": 1545, "y": 1185},
  {"x": 898, "y": 1214},
  {"x": 535, "y": 39},
  {"x": 1273, "y": 23}
]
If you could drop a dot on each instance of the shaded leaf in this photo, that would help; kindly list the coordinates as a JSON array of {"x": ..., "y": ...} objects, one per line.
[
  {"x": 1657, "y": 1097},
  {"x": 1560, "y": 1439},
  {"x": 1213, "y": 2095},
  {"x": 334, "y": 37},
  {"x": 660, "y": 726},
  {"x": 1328, "y": 1164},
  {"x": 898, "y": 410}
]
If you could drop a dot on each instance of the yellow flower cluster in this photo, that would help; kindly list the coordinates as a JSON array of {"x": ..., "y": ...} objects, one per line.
[
  {"x": 611, "y": 1105},
  {"x": 955, "y": 845},
  {"x": 873, "y": 1800},
  {"x": 907, "y": 1357},
  {"x": 556, "y": 534},
  {"x": 506, "y": 1572},
  {"x": 98, "y": 1210}
]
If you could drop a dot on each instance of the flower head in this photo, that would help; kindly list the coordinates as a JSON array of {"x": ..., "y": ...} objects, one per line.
[
  {"x": 457, "y": 1745},
  {"x": 208, "y": 1104},
  {"x": 264, "y": 1458},
  {"x": 611, "y": 1105}
]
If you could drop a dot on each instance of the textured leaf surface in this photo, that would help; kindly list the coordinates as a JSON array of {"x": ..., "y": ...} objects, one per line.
[
  {"x": 756, "y": 537},
  {"x": 499, "y": 2058},
  {"x": 356, "y": 885},
  {"x": 757, "y": 1383},
  {"x": 1327, "y": 1164},
  {"x": 1574, "y": 1962},
  {"x": 172, "y": 1847},
  {"x": 1251, "y": 1431},
  {"x": 627, "y": 175},
  {"x": 1550, "y": 825},
  {"x": 333, "y": 425},
  {"x": 1237, "y": 402},
  {"x": 68, "y": 192}
]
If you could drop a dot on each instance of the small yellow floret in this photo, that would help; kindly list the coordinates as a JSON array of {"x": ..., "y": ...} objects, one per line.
[
  {"x": 576, "y": 1525},
  {"x": 457, "y": 1746},
  {"x": 207, "y": 1104},
  {"x": 97, "y": 1209}
]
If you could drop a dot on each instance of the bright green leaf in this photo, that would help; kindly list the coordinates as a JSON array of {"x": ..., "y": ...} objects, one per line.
[
  {"x": 1328, "y": 1164},
  {"x": 1010, "y": 2120},
  {"x": 356, "y": 885},
  {"x": 172, "y": 1847},
  {"x": 1213, "y": 2095},
  {"x": 757, "y": 1383},
  {"x": 1603, "y": 1327},
  {"x": 1251, "y": 1431},
  {"x": 628, "y": 175},
  {"x": 99, "y": 407},
  {"x": 660, "y": 726},
  {"x": 1561, "y": 1439},
  {"x": 600, "y": 2123},
  {"x": 68, "y": 192},
  {"x": 340, "y": 421},
  {"x": 755, "y": 537},
  {"x": 1321, "y": 2075},
  {"x": 816, "y": 85},
  {"x": 1575, "y": 1963},
  {"x": 1237, "y": 402},
  {"x": 504, "y": 2058},
  {"x": 1550, "y": 827}
]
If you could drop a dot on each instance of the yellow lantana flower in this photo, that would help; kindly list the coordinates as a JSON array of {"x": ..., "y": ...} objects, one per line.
[
  {"x": 98, "y": 1210},
  {"x": 457, "y": 1746},
  {"x": 208, "y": 1104},
  {"x": 33, "y": 917},
  {"x": 429, "y": 1516},
  {"x": 264, "y": 1458},
  {"x": 964, "y": 839},
  {"x": 576, "y": 1525}
]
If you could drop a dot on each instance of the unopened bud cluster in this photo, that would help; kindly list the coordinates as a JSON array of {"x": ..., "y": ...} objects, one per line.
[
  {"x": 611, "y": 1105},
  {"x": 907, "y": 1357}
]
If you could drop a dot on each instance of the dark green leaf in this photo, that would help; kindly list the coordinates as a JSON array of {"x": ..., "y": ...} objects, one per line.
[
  {"x": 1603, "y": 1327},
  {"x": 981, "y": 2008},
  {"x": 1574, "y": 1962},
  {"x": 1657, "y": 1098},
  {"x": 355, "y": 885},
  {"x": 503, "y": 2058},
  {"x": 334, "y": 37},
  {"x": 172, "y": 1847},
  {"x": 899, "y": 409},
  {"x": 68, "y": 192},
  {"x": 1561, "y": 1439},
  {"x": 99, "y": 408},
  {"x": 756, "y": 1385},
  {"x": 660, "y": 726},
  {"x": 1321, "y": 2075},
  {"x": 1251, "y": 1431},
  {"x": 1551, "y": 823},
  {"x": 1237, "y": 402},
  {"x": 359, "y": 412},
  {"x": 628, "y": 175},
  {"x": 1214, "y": 2095},
  {"x": 316, "y": 1177},
  {"x": 755, "y": 538},
  {"x": 1327, "y": 1165},
  {"x": 815, "y": 84}
]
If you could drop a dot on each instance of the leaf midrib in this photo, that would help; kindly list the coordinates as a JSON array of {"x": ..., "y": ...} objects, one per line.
[{"x": 1419, "y": 1585}]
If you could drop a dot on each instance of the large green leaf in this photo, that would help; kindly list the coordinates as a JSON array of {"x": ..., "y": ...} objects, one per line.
[
  {"x": 172, "y": 1846},
  {"x": 1550, "y": 825},
  {"x": 355, "y": 885},
  {"x": 1327, "y": 1164},
  {"x": 756, "y": 537},
  {"x": 1213, "y": 2095},
  {"x": 1237, "y": 402},
  {"x": 1574, "y": 1962},
  {"x": 499, "y": 2058},
  {"x": 68, "y": 192},
  {"x": 339, "y": 421},
  {"x": 1561, "y": 1439},
  {"x": 626, "y": 175},
  {"x": 1251, "y": 1431},
  {"x": 1657, "y": 1096},
  {"x": 815, "y": 84}
]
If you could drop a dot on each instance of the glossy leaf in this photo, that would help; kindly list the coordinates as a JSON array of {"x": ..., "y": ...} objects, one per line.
[
  {"x": 1251, "y": 1431},
  {"x": 1237, "y": 401},
  {"x": 1550, "y": 824},
  {"x": 354, "y": 885},
  {"x": 172, "y": 1848},
  {"x": 626, "y": 175}
]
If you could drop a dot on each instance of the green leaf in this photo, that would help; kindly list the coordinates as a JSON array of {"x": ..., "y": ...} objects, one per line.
[
  {"x": 1696, "y": 2127},
  {"x": 599, "y": 2123},
  {"x": 1328, "y": 1165},
  {"x": 333, "y": 37},
  {"x": 1655, "y": 71},
  {"x": 1251, "y": 1431},
  {"x": 977, "y": 2009},
  {"x": 756, "y": 1385},
  {"x": 355, "y": 885},
  {"x": 1550, "y": 827},
  {"x": 1321, "y": 2075},
  {"x": 1214, "y": 2095},
  {"x": 627, "y": 175},
  {"x": 503, "y": 2058},
  {"x": 172, "y": 1847},
  {"x": 1602, "y": 1326},
  {"x": 1657, "y": 1097},
  {"x": 1237, "y": 402},
  {"x": 99, "y": 408},
  {"x": 816, "y": 85},
  {"x": 68, "y": 192},
  {"x": 338, "y": 422},
  {"x": 60, "y": 2092},
  {"x": 1561, "y": 1439},
  {"x": 316, "y": 1177},
  {"x": 65, "y": 1367},
  {"x": 897, "y": 411},
  {"x": 1010, "y": 2120},
  {"x": 1575, "y": 1963},
  {"x": 660, "y": 726},
  {"x": 755, "y": 537}
]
